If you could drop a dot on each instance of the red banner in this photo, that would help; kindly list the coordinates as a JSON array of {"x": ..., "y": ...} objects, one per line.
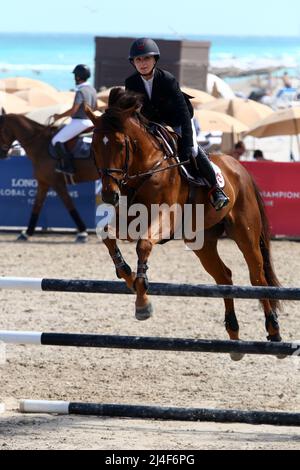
[{"x": 280, "y": 187}]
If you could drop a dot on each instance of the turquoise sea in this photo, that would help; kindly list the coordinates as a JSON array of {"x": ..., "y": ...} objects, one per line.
[{"x": 51, "y": 57}]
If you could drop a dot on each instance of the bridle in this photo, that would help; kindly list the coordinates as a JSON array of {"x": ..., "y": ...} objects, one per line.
[
  {"x": 124, "y": 172},
  {"x": 109, "y": 172},
  {"x": 4, "y": 149}
]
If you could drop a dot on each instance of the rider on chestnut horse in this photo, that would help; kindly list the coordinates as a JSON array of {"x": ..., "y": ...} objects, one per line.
[
  {"x": 164, "y": 103},
  {"x": 85, "y": 94}
]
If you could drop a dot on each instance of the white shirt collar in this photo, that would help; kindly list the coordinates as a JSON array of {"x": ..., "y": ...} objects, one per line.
[
  {"x": 148, "y": 86},
  {"x": 82, "y": 85}
]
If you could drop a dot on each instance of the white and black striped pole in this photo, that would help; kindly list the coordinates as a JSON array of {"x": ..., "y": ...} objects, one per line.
[
  {"x": 163, "y": 413},
  {"x": 155, "y": 288},
  {"x": 150, "y": 343}
]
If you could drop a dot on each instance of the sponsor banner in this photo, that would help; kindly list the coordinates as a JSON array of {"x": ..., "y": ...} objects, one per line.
[
  {"x": 279, "y": 184},
  {"x": 17, "y": 192}
]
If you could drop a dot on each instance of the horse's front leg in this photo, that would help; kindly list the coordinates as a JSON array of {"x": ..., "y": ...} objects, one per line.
[
  {"x": 143, "y": 308},
  {"x": 123, "y": 270}
]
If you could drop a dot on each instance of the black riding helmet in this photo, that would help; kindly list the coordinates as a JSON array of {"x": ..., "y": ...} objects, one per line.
[
  {"x": 82, "y": 72},
  {"x": 142, "y": 47}
]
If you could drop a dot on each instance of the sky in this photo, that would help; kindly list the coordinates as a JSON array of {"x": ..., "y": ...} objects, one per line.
[{"x": 153, "y": 17}]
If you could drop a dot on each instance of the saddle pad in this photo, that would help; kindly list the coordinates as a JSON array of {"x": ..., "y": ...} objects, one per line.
[
  {"x": 81, "y": 151},
  {"x": 202, "y": 181}
]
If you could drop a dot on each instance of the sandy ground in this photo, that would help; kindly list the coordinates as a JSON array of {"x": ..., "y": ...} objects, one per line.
[{"x": 139, "y": 377}]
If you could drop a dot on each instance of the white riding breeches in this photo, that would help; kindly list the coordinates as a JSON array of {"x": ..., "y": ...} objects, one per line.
[
  {"x": 74, "y": 128},
  {"x": 178, "y": 130}
]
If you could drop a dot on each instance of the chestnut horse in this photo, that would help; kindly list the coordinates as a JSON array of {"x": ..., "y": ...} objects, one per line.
[
  {"x": 35, "y": 139},
  {"x": 132, "y": 163}
]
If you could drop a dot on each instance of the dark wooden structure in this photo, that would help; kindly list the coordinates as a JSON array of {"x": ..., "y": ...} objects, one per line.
[{"x": 186, "y": 60}]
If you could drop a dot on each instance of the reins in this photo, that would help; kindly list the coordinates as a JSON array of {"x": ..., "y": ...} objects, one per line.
[{"x": 124, "y": 171}]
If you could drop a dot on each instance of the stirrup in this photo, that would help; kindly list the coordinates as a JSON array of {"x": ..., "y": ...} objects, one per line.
[
  {"x": 218, "y": 198},
  {"x": 66, "y": 171}
]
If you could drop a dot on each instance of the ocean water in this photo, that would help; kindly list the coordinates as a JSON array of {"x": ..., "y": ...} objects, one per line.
[{"x": 52, "y": 57}]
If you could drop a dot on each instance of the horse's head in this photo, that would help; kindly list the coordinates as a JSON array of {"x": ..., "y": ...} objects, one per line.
[
  {"x": 6, "y": 137},
  {"x": 112, "y": 145}
]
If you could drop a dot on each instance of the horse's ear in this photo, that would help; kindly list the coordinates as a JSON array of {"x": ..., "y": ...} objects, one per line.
[
  {"x": 93, "y": 117},
  {"x": 115, "y": 96}
]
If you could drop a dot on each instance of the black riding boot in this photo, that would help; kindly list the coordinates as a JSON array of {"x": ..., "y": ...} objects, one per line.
[
  {"x": 205, "y": 170},
  {"x": 65, "y": 159}
]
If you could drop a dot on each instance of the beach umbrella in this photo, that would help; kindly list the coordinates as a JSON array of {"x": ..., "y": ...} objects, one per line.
[
  {"x": 101, "y": 105},
  {"x": 13, "y": 84},
  {"x": 65, "y": 96},
  {"x": 218, "y": 87},
  {"x": 282, "y": 122},
  {"x": 42, "y": 115},
  {"x": 246, "y": 111},
  {"x": 13, "y": 104},
  {"x": 68, "y": 97},
  {"x": 198, "y": 97},
  {"x": 38, "y": 98},
  {"x": 211, "y": 121},
  {"x": 104, "y": 94}
]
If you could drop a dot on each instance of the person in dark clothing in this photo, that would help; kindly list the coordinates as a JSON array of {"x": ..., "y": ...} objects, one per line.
[
  {"x": 259, "y": 156},
  {"x": 165, "y": 104}
]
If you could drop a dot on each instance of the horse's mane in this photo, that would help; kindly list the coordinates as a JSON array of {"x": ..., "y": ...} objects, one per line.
[
  {"x": 120, "y": 103},
  {"x": 30, "y": 124}
]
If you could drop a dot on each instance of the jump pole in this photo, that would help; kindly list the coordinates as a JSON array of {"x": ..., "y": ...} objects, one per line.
[
  {"x": 156, "y": 288},
  {"x": 162, "y": 413},
  {"x": 150, "y": 343}
]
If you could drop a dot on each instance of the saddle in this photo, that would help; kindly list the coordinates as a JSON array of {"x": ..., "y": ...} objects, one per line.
[
  {"x": 169, "y": 141},
  {"x": 79, "y": 146}
]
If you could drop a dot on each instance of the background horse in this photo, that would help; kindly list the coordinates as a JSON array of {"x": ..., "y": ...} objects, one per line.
[
  {"x": 132, "y": 163},
  {"x": 35, "y": 139}
]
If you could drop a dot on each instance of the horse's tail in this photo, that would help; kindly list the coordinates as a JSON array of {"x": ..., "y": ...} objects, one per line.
[{"x": 265, "y": 247}]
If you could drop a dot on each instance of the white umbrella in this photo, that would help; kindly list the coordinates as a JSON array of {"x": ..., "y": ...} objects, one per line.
[{"x": 215, "y": 83}]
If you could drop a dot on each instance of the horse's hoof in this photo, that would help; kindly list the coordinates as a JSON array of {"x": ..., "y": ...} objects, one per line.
[
  {"x": 23, "y": 237},
  {"x": 276, "y": 339},
  {"x": 81, "y": 237},
  {"x": 236, "y": 356},
  {"x": 143, "y": 313}
]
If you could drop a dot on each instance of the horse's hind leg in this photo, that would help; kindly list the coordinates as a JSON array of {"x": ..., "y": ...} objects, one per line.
[
  {"x": 40, "y": 197},
  {"x": 62, "y": 191},
  {"x": 248, "y": 238},
  {"x": 213, "y": 264}
]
